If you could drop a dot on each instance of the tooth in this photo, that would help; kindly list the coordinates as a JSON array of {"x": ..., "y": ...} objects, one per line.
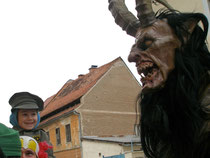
[{"x": 142, "y": 75}]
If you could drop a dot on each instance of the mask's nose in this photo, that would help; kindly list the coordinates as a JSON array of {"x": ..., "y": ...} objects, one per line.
[{"x": 133, "y": 56}]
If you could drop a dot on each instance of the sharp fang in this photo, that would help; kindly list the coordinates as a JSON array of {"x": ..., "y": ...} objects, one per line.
[{"x": 142, "y": 75}]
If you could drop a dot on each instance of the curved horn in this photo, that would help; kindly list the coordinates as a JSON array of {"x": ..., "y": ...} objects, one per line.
[
  {"x": 145, "y": 12},
  {"x": 123, "y": 17}
]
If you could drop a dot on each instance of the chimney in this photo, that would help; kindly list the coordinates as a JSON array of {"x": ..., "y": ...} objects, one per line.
[
  {"x": 80, "y": 75},
  {"x": 92, "y": 68}
]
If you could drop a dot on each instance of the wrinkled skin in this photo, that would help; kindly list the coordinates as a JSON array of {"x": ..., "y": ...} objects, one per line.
[{"x": 153, "y": 53}]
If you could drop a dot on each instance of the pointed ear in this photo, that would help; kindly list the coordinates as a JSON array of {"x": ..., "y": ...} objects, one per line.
[{"x": 190, "y": 24}]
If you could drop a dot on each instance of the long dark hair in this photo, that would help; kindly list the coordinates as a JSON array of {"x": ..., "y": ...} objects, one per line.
[{"x": 172, "y": 118}]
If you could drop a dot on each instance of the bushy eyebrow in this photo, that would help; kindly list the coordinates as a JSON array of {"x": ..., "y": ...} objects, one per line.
[{"x": 144, "y": 38}]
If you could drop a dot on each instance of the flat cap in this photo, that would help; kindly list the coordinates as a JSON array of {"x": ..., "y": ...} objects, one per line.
[{"x": 26, "y": 100}]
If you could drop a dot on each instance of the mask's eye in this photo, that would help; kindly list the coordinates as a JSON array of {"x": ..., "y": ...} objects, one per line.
[{"x": 143, "y": 45}]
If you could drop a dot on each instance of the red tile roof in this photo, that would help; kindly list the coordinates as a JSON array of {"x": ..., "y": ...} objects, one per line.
[
  {"x": 58, "y": 114},
  {"x": 75, "y": 89}
]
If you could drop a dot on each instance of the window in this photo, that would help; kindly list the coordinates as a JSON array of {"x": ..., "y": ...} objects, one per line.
[
  {"x": 58, "y": 137},
  {"x": 68, "y": 133},
  {"x": 48, "y": 134}
]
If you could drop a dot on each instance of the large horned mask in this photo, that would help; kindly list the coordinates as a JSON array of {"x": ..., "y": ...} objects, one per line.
[{"x": 155, "y": 42}]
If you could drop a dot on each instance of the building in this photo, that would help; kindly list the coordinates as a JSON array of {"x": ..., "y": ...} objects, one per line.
[
  {"x": 125, "y": 146},
  {"x": 101, "y": 103}
]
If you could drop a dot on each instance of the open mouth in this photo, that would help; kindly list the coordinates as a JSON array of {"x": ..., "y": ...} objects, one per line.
[
  {"x": 29, "y": 124},
  {"x": 147, "y": 70}
]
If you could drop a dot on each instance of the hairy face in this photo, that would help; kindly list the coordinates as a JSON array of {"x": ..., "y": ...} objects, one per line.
[
  {"x": 27, "y": 119},
  {"x": 153, "y": 53}
]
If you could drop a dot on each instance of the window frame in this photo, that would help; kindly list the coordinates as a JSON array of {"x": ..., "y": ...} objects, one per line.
[
  {"x": 68, "y": 133},
  {"x": 58, "y": 136}
]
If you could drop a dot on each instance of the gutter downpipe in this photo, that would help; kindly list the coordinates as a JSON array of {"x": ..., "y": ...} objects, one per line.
[
  {"x": 80, "y": 132},
  {"x": 131, "y": 146}
]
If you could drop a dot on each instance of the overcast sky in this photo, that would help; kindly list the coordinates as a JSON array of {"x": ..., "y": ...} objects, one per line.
[{"x": 44, "y": 43}]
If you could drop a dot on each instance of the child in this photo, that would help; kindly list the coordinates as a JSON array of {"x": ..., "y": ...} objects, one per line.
[
  {"x": 31, "y": 149},
  {"x": 25, "y": 117}
]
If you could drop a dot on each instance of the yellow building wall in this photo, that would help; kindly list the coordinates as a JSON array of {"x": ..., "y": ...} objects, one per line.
[
  {"x": 65, "y": 149},
  {"x": 109, "y": 108}
]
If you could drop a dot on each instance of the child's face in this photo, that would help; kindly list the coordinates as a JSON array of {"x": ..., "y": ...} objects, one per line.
[
  {"x": 27, "y": 153},
  {"x": 27, "y": 119}
]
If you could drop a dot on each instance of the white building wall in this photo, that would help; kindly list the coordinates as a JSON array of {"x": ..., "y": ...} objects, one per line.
[{"x": 98, "y": 149}]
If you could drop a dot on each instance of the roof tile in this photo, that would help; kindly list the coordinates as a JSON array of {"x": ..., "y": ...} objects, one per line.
[{"x": 75, "y": 89}]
